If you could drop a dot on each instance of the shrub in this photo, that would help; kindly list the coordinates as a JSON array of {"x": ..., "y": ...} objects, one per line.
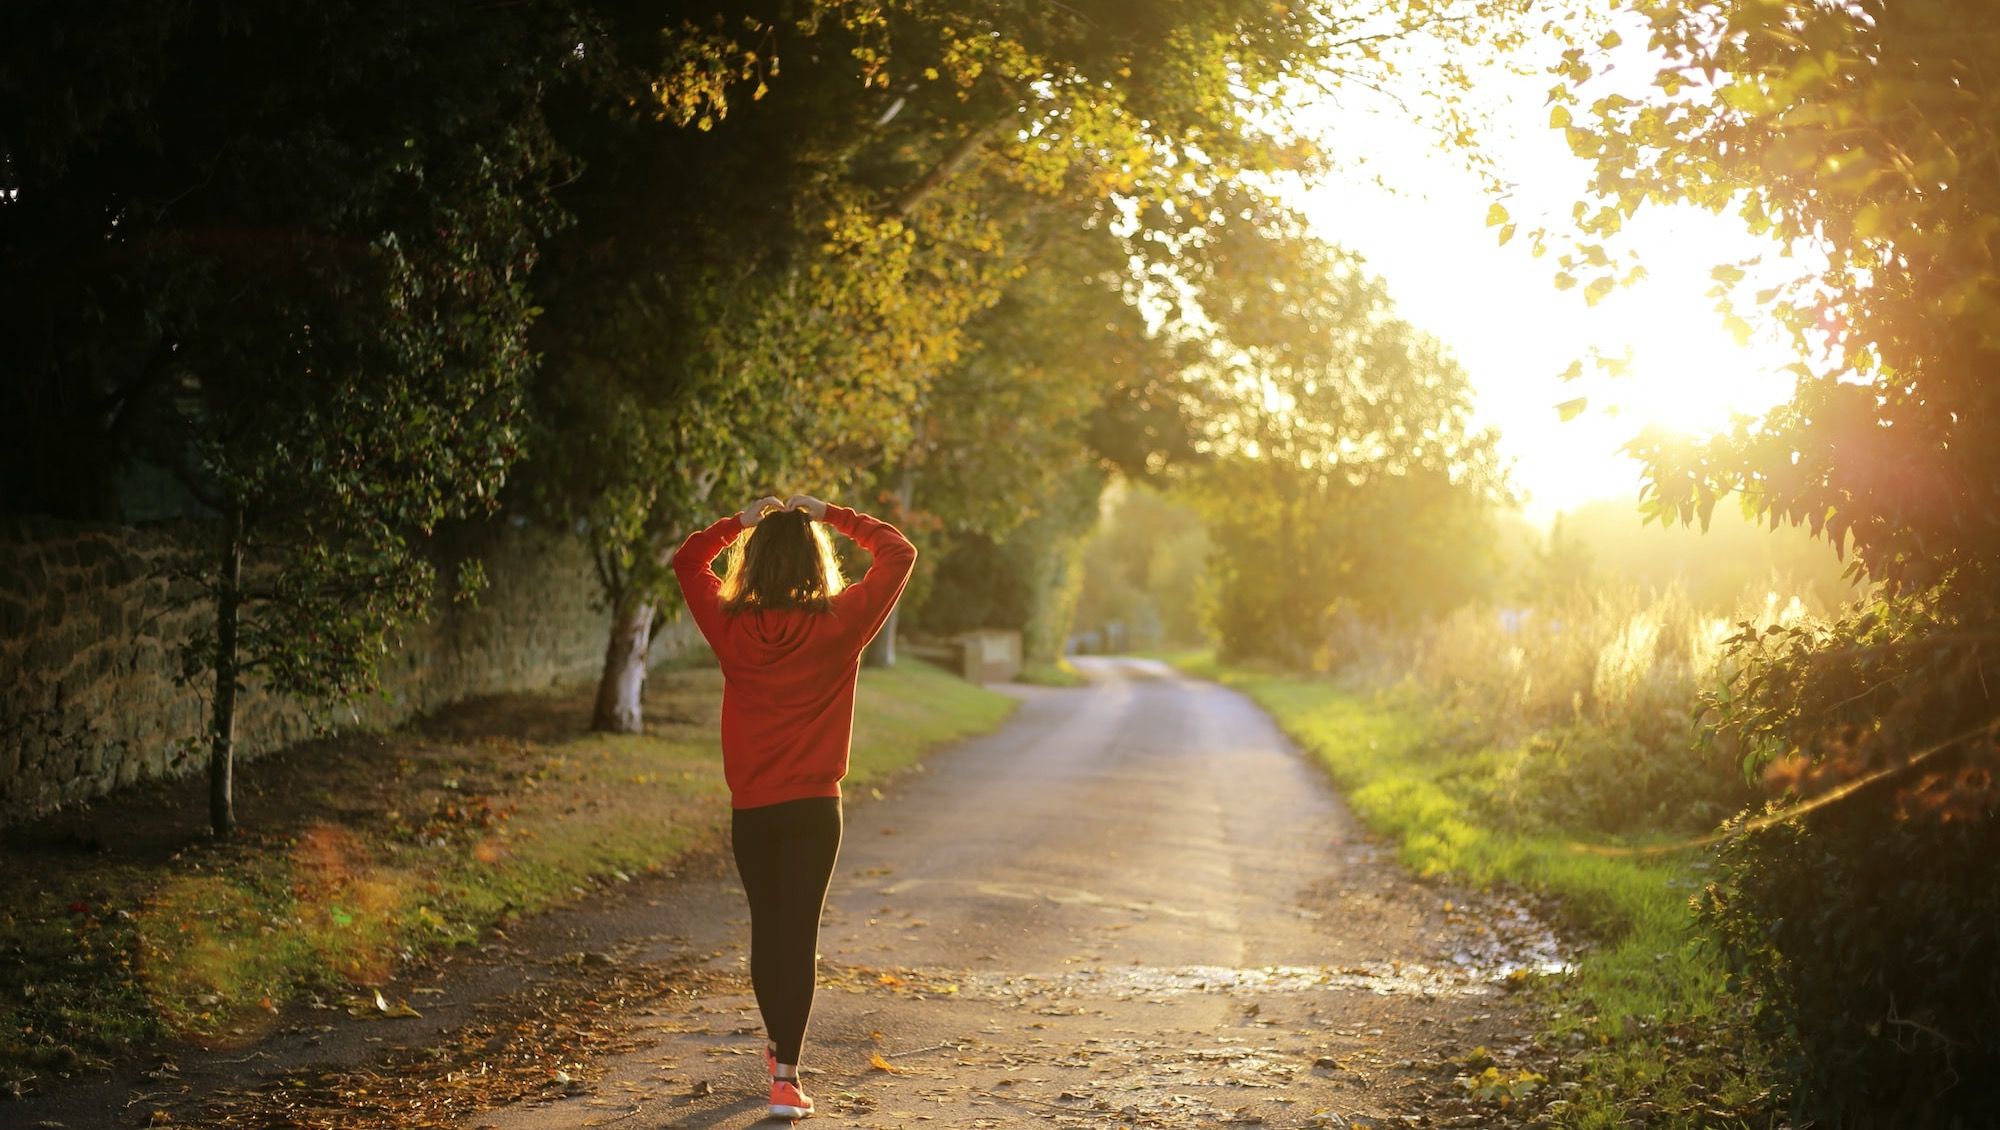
[
  {"x": 1869, "y": 925},
  {"x": 1590, "y": 704},
  {"x": 1584, "y": 779},
  {"x": 1872, "y": 944}
]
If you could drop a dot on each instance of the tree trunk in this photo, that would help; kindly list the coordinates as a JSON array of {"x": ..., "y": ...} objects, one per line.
[
  {"x": 882, "y": 650},
  {"x": 622, "y": 684},
  {"x": 222, "y": 737},
  {"x": 619, "y": 689}
]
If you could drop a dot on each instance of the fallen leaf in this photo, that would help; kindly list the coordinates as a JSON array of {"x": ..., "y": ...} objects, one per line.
[{"x": 876, "y": 1061}]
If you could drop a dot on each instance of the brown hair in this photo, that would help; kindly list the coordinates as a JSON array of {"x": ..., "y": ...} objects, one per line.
[{"x": 785, "y": 561}]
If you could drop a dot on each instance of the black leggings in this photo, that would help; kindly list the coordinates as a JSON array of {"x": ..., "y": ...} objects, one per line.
[{"x": 785, "y": 854}]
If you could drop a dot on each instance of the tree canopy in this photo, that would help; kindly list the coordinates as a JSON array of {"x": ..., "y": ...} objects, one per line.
[
  {"x": 333, "y": 278},
  {"x": 281, "y": 263},
  {"x": 1345, "y": 476},
  {"x": 793, "y": 220}
]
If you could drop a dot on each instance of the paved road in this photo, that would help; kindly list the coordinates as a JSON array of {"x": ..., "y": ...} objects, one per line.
[{"x": 1135, "y": 904}]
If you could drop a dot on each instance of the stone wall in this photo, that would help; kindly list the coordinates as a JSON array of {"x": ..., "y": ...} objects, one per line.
[{"x": 88, "y": 635}]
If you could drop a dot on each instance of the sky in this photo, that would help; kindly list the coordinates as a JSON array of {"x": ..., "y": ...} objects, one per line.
[{"x": 1423, "y": 229}]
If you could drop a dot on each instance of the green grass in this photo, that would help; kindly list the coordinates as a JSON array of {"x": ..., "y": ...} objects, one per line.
[
  {"x": 1057, "y": 674},
  {"x": 1644, "y": 1023},
  {"x": 363, "y": 852}
]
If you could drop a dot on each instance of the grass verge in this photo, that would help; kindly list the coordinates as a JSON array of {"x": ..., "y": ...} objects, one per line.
[
  {"x": 1060, "y": 673},
  {"x": 1643, "y": 1029},
  {"x": 121, "y": 924}
]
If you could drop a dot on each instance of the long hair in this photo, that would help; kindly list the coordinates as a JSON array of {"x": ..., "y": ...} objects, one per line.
[{"x": 785, "y": 561}]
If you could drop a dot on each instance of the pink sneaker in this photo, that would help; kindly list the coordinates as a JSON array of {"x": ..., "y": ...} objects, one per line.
[
  {"x": 787, "y": 1101},
  {"x": 770, "y": 1061}
]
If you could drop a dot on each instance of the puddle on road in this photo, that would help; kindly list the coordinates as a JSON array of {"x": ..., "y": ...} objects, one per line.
[
  {"x": 1148, "y": 981},
  {"x": 1499, "y": 936}
]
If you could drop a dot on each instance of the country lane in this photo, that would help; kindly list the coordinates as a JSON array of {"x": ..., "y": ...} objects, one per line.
[{"x": 1136, "y": 904}]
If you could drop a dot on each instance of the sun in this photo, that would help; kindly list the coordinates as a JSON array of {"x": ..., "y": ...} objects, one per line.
[
  {"x": 1498, "y": 310},
  {"x": 1676, "y": 366},
  {"x": 1686, "y": 371}
]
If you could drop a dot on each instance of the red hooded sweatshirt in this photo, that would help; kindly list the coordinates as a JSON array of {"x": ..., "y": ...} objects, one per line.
[{"x": 788, "y": 674}]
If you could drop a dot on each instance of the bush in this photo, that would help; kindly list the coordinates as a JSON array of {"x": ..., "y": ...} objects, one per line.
[
  {"x": 1872, "y": 943},
  {"x": 1607, "y": 782},
  {"x": 1869, "y": 926}
]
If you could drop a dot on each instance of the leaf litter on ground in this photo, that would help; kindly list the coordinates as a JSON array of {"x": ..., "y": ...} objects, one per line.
[{"x": 543, "y": 1044}]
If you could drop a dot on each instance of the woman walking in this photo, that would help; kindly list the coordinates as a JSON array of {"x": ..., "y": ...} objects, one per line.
[{"x": 789, "y": 635}]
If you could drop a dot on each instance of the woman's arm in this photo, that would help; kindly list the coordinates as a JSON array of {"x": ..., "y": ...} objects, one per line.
[
  {"x": 699, "y": 584},
  {"x": 866, "y": 603}
]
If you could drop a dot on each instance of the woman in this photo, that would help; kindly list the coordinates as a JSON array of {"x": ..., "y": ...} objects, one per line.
[{"x": 789, "y": 636}]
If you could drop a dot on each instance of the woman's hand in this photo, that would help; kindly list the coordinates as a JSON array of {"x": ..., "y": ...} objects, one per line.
[
  {"x": 814, "y": 508},
  {"x": 754, "y": 513}
]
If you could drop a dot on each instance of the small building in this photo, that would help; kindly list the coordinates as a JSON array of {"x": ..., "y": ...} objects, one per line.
[{"x": 990, "y": 655}]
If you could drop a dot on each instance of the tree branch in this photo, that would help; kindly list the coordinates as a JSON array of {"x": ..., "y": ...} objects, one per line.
[
  {"x": 950, "y": 165},
  {"x": 607, "y": 575}
]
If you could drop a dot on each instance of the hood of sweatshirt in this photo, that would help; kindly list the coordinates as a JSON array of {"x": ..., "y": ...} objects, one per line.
[{"x": 768, "y": 636}]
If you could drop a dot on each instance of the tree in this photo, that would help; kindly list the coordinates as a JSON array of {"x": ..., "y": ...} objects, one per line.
[
  {"x": 696, "y": 352},
  {"x": 1345, "y": 476},
  {"x": 1026, "y": 580},
  {"x": 1146, "y": 570},
  {"x": 1859, "y": 134},
  {"x": 1005, "y": 466},
  {"x": 286, "y": 261}
]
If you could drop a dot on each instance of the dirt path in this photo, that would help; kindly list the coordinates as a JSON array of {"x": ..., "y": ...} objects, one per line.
[{"x": 1136, "y": 904}]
